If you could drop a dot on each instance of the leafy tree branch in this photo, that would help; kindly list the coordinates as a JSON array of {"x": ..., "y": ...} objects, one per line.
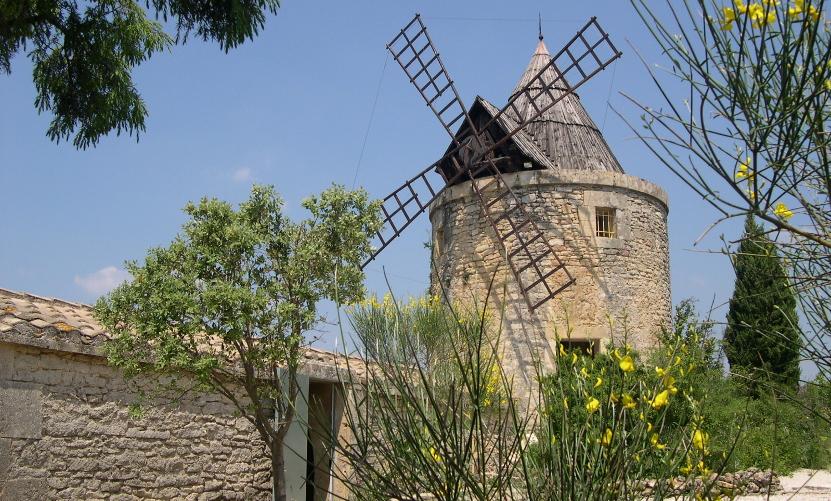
[{"x": 84, "y": 53}]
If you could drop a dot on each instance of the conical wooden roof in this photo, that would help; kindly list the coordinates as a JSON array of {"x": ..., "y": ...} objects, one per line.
[{"x": 565, "y": 133}]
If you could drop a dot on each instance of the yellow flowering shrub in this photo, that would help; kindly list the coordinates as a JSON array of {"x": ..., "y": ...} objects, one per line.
[
  {"x": 626, "y": 403},
  {"x": 764, "y": 13},
  {"x": 645, "y": 409},
  {"x": 440, "y": 418}
]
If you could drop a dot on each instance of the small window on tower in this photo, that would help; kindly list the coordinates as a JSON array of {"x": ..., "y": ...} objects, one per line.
[
  {"x": 580, "y": 346},
  {"x": 605, "y": 222}
]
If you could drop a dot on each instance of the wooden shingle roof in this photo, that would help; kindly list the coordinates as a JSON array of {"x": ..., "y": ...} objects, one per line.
[
  {"x": 565, "y": 134},
  {"x": 521, "y": 139}
]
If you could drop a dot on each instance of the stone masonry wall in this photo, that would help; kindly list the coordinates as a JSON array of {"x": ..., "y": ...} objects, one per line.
[
  {"x": 66, "y": 432},
  {"x": 624, "y": 279}
]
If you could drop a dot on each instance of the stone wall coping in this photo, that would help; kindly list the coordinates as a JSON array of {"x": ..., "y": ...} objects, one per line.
[
  {"x": 63, "y": 326},
  {"x": 562, "y": 177}
]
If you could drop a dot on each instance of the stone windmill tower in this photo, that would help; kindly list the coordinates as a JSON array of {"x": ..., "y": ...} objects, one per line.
[
  {"x": 532, "y": 195},
  {"x": 608, "y": 228}
]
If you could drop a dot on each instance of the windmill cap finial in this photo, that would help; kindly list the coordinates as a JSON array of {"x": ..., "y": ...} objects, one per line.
[{"x": 539, "y": 19}]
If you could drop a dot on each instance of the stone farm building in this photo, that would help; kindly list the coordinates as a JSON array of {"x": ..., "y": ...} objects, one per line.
[{"x": 66, "y": 430}]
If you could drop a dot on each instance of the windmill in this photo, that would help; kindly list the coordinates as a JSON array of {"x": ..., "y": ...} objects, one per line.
[{"x": 476, "y": 153}]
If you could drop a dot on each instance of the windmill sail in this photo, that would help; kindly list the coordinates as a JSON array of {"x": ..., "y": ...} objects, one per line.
[
  {"x": 538, "y": 270},
  {"x": 413, "y": 50}
]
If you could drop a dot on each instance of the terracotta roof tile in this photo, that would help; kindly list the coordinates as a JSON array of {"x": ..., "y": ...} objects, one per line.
[{"x": 27, "y": 316}]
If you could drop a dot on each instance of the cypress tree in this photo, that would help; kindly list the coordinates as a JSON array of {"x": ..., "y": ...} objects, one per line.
[{"x": 762, "y": 341}]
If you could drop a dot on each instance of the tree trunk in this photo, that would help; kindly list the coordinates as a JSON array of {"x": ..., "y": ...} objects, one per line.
[{"x": 278, "y": 471}]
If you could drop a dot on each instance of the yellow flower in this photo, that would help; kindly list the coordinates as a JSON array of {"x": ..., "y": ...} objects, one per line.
[
  {"x": 628, "y": 401},
  {"x": 565, "y": 403},
  {"x": 686, "y": 470},
  {"x": 740, "y": 6},
  {"x": 760, "y": 16},
  {"x": 649, "y": 426},
  {"x": 813, "y": 13},
  {"x": 573, "y": 358},
  {"x": 700, "y": 439},
  {"x": 669, "y": 384},
  {"x": 584, "y": 372},
  {"x": 799, "y": 9},
  {"x": 660, "y": 400},
  {"x": 627, "y": 364},
  {"x": 598, "y": 382},
  {"x": 592, "y": 405},
  {"x": 562, "y": 350},
  {"x": 435, "y": 455},
  {"x": 796, "y": 9},
  {"x": 656, "y": 443},
  {"x": 744, "y": 171},
  {"x": 553, "y": 439},
  {"x": 606, "y": 439},
  {"x": 660, "y": 371},
  {"x": 729, "y": 19},
  {"x": 827, "y": 84},
  {"x": 782, "y": 212}
]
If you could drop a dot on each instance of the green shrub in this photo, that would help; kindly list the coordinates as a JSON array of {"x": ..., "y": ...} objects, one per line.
[
  {"x": 440, "y": 419},
  {"x": 783, "y": 432},
  {"x": 650, "y": 408}
]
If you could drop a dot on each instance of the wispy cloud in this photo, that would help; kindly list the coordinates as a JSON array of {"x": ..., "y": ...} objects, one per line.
[
  {"x": 242, "y": 174},
  {"x": 102, "y": 281}
]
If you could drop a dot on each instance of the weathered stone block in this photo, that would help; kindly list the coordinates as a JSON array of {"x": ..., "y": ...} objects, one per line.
[
  {"x": 23, "y": 489},
  {"x": 20, "y": 411},
  {"x": 5, "y": 458},
  {"x": 6, "y": 364}
]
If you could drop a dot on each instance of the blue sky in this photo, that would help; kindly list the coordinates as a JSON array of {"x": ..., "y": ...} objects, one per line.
[{"x": 291, "y": 108}]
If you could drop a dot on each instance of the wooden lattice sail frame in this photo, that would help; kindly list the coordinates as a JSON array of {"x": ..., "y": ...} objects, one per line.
[{"x": 540, "y": 273}]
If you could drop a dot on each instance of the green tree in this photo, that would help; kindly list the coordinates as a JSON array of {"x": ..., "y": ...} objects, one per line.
[
  {"x": 762, "y": 340},
  {"x": 741, "y": 117},
  {"x": 227, "y": 303},
  {"x": 84, "y": 53}
]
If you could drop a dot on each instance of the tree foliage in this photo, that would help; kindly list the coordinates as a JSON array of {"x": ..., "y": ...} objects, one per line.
[
  {"x": 743, "y": 121},
  {"x": 228, "y": 302},
  {"x": 762, "y": 340},
  {"x": 84, "y": 53}
]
